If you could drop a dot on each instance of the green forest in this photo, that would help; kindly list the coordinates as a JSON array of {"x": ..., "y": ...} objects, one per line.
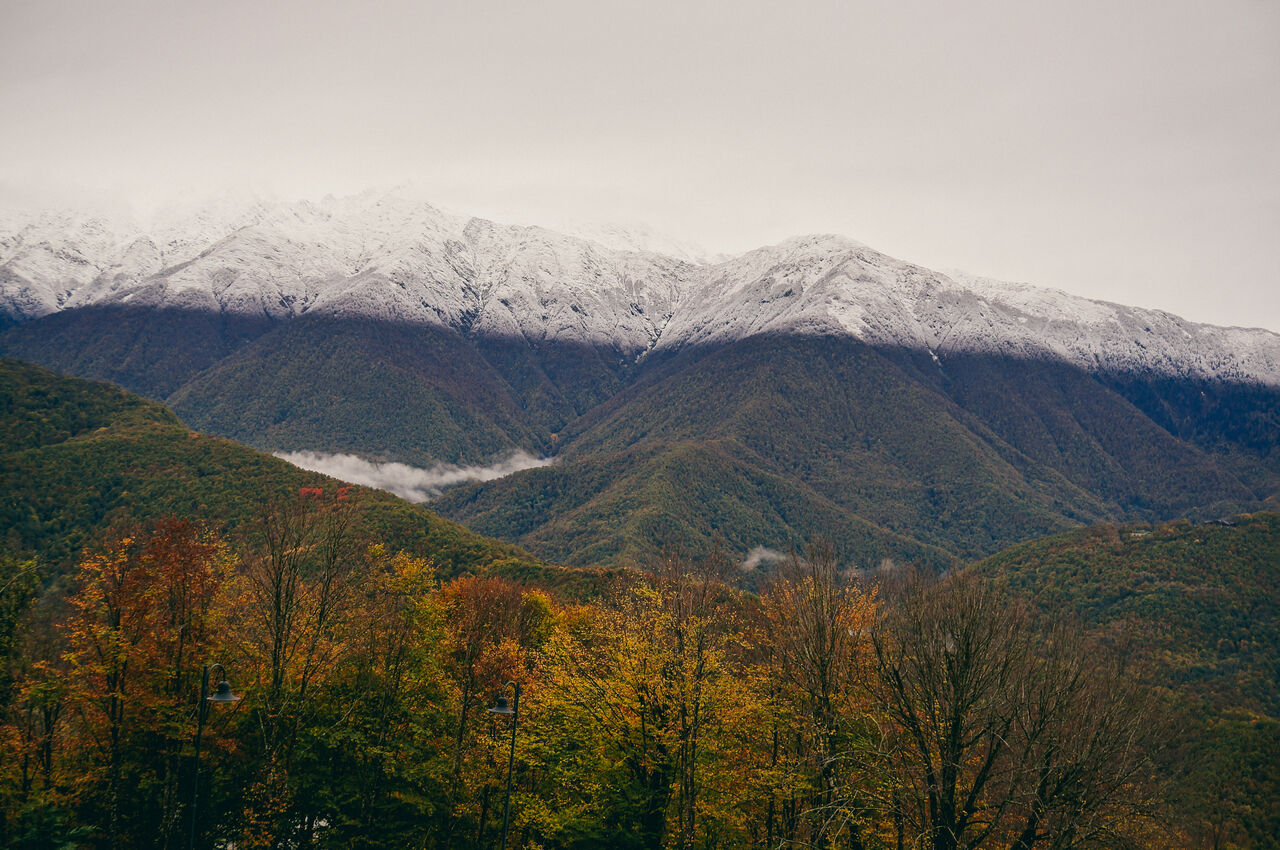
[
  {"x": 771, "y": 440},
  {"x": 1111, "y": 686}
]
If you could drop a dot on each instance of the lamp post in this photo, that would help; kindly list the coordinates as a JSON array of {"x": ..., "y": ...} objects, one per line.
[
  {"x": 514, "y": 711},
  {"x": 222, "y": 694}
]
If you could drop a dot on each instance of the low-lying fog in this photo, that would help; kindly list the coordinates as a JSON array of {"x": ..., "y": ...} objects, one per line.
[{"x": 409, "y": 482}]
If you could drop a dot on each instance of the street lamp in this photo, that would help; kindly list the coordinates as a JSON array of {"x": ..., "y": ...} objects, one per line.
[
  {"x": 514, "y": 711},
  {"x": 222, "y": 694}
]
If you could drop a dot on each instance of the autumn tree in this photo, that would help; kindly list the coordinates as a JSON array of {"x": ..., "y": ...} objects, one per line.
[
  {"x": 379, "y": 749},
  {"x": 187, "y": 569},
  {"x": 692, "y": 595},
  {"x": 489, "y": 626},
  {"x": 19, "y": 723},
  {"x": 646, "y": 691},
  {"x": 293, "y": 600},
  {"x": 38, "y": 791},
  {"x": 817, "y": 642},
  {"x": 138, "y": 629},
  {"x": 1002, "y": 735}
]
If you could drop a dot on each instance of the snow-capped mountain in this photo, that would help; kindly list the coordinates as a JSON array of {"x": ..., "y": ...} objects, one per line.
[
  {"x": 767, "y": 397},
  {"x": 832, "y": 285},
  {"x": 387, "y": 256}
]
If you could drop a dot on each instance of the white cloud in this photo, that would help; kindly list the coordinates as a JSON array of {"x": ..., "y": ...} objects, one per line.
[
  {"x": 409, "y": 482},
  {"x": 761, "y": 555}
]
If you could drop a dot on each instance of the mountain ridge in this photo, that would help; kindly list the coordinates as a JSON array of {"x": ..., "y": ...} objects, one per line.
[
  {"x": 823, "y": 388},
  {"x": 390, "y": 257}
]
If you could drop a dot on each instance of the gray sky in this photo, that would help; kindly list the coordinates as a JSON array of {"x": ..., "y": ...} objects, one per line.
[{"x": 1120, "y": 150}]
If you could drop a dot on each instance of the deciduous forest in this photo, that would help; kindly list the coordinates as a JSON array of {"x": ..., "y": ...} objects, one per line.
[
  {"x": 657, "y": 709},
  {"x": 1110, "y": 686}
]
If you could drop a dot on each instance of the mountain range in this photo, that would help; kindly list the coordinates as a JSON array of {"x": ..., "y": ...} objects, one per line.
[{"x": 815, "y": 387}]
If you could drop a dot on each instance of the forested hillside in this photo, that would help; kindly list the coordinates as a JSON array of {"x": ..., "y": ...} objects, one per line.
[
  {"x": 1199, "y": 607},
  {"x": 79, "y": 456},
  {"x": 663, "y": 707},
  {"x": 889, "y": 452}
]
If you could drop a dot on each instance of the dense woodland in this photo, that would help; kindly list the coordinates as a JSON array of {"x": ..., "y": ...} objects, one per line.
[
  {"x": 1202, "y": 603},
  {"x": 772, "y": 440},
  {"x": 669, "y": 711},
  {"x": 1113, "y": 686}
]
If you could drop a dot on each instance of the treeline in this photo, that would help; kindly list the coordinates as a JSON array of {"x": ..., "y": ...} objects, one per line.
[{"x": 672, "y": 711}]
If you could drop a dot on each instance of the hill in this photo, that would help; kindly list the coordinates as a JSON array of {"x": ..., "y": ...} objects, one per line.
[
  {"x": 77, "y": 456},
  {"x": 1200, "y": 605}
]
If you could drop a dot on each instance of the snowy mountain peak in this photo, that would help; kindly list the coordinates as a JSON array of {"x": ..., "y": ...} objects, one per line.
[{"x": 387, "y": 254}]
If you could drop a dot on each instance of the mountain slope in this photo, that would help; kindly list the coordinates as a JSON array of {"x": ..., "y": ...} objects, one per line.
[
  {"x": 151, "y": 352},
  {"x": 1200, "y": 607},
  {"x": 628, "y": 507},
  {"x": 1078, "y": 424},
  {"x": 1204, "y": 598},
  {"x": 979, "y": 454},
  {"x": 818, "y": 382},
  {"x": 389, "y": 257},
  {"x": 419, "y": 394},
  {"x": 76, "y": 456}
]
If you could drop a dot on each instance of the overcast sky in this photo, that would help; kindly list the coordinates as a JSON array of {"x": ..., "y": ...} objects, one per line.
[{"x": 1120, "y": 150}]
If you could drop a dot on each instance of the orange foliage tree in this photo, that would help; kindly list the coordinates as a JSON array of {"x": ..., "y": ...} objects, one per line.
[{"x": 140, "y": 626}]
